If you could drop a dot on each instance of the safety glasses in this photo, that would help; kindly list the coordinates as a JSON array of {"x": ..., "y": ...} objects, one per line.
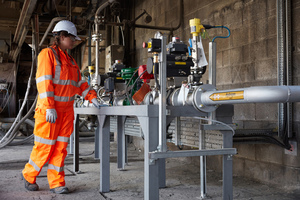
[{"x": 72, "y": 37}]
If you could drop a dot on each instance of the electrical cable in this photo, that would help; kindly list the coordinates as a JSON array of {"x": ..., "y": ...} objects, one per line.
[
  {"x": 27, "y": 139},
  {"x": 155, "y": 76},
  {"x": 216, "y": 121},
  {"x": 138, "y": 78},
  {"x": 130, "y": 80},
  {"x": 255, "y": 137},
  {"x": 221, "y": 36},
  {"x": 126, "y": 88}
]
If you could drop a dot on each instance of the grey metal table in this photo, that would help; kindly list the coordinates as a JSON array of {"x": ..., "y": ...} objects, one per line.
[{"x": 154, "y": 161}]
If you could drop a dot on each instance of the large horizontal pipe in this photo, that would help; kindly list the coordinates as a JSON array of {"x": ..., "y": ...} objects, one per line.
[{"x": 260, "y": 94}]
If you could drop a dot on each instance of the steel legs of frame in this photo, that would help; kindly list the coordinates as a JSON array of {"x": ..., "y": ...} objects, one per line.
[
  {"x": 104, "y": 141},
  {"x": 121, "y": 142},
  {"x": 227, "y": 167},
  {"x": 154, "y": 172}
]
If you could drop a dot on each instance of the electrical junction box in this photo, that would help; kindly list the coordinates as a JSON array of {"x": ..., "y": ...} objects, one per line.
[{"x": 112, "y": 53}]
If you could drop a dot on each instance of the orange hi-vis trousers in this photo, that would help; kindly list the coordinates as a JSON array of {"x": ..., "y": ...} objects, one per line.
[{"x": 50, "y": 144}]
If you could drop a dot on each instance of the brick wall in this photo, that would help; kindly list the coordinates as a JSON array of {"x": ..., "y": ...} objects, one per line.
[{"x": 247, "y": 58}]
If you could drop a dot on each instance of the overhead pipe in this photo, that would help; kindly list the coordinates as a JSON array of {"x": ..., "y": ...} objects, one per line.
[
  {"x": 162, "y": 27},
  {"x": 54, "y": 20}
]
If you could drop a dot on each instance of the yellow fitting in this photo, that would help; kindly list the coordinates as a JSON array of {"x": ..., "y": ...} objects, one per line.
[
  {"x": 91, "y": 69},
  {"x": 155, "y": 57},
  {"x": 196, "y": 26}
]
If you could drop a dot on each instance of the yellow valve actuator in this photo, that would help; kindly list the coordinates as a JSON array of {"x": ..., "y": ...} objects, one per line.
[{"x": 196, "y": 26}]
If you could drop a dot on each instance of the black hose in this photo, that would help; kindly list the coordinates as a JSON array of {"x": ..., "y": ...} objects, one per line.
[
  {"x": 259, "y": 138},
  {"x": 155, "y": 75}
]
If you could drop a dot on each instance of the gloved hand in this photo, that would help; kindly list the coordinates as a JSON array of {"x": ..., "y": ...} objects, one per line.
[
  {"x": 96, "y": 103},
  {"x": 51, "y": 115}
]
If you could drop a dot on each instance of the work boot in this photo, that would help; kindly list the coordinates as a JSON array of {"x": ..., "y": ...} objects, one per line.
[
  {"x": 60, "y": 190},
  {"x": 29, "y": 186}
]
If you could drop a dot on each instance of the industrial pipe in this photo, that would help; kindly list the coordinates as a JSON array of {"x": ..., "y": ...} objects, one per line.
[
  {"x": 165, "y": 28},
  {"x": 96, "y": 38},
  {"x": 56, "y": 19},
  {"x": 104, "y": 5},
  {"x": 262, "y": 94}
]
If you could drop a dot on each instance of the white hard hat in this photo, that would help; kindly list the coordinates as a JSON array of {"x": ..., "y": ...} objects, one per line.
[{"x": 65, "y": 25}]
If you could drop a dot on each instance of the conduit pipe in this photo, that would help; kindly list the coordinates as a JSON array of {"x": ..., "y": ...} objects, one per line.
[
  {"x": 97, "y": 38},
  {"x": 165, "y": 28},
  {"x": 263, "y": 94}
]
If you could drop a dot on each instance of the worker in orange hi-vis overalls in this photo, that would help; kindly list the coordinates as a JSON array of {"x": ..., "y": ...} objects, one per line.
[{"x": 58, "y": 80}]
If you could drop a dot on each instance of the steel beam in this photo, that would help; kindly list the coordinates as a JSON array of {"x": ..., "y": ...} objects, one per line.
[
  {"x": 121, "y": 142},
  {"x": 162, "y": 142},
  {"x": 227, "y": 166},
  {"x": 191, "y": 153},
  {"x": 151, "y": 169},
  {"x": 104, "y": 137},
  {"x": 21, "y": 30}
]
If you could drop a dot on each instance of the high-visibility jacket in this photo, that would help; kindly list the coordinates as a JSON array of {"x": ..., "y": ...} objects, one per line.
[{"x": 58, "y": 80}]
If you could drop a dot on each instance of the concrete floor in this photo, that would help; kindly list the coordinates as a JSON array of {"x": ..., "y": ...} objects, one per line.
[{"x": 182, "y": 179}]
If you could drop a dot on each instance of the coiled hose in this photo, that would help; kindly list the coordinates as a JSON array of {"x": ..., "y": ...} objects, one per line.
[{"x": 15, "y": 129}]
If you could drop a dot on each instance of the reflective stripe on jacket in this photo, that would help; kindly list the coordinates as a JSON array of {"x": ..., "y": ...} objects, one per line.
[{"x": 58, "y": 80}]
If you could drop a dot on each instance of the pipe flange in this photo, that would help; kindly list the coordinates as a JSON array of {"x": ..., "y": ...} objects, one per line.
[
  {"x": 197, "y": 102},
  {"x": 97, "y": 37},
  {"x": 148, "y": 99},
  {"x": 174, "y": 98}
]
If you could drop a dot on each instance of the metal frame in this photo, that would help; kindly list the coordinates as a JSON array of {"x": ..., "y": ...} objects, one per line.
[{"x": 154, "y": 160}]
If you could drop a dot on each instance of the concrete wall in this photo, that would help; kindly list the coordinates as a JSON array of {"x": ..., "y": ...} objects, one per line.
[{"x": 247, "y": 58}]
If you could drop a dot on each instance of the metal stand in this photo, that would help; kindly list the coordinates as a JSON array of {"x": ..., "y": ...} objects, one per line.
[{"x": 154, "y": 161}]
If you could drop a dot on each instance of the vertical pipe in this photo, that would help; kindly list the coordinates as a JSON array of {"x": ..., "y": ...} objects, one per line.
[
  {"x": 162, "y": 96},
  {"x": 212, "y": 73},
  {"x": 96, "y": 53},
  {"x": 212, "y": 63},
  {"x": 202, "y": 162},
  {"x": 90, "y": 46},
  {"x": 281, "y": 72},
  {"x": 289, "y": 66}
]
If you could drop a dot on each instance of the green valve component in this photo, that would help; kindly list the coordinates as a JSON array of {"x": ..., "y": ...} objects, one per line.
[{"x": 126, "y": 75}]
